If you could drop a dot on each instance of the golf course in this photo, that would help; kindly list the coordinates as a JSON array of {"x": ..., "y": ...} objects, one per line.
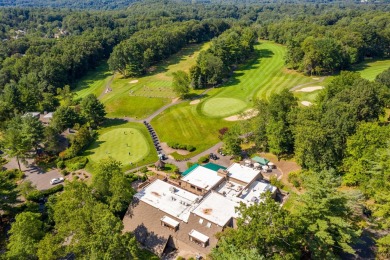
[
  {"x": 128, "y": 143},
  {"x": 193, "y": 122}
]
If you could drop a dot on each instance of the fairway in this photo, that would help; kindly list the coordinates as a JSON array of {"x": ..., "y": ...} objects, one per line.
[
  {"x": 94, "y": 82},
  {"x": 262, "y": 76},
  {"x": 126, "y": 142},
  {"x": 184, "y": 125},
  {"x": 139, "y": 97},
  {"x": 370, "y": 69}
]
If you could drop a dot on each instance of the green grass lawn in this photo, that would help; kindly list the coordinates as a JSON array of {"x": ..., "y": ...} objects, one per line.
[
  {"x": 369, "y": 69},
  {"x": 184, "y": 124},
  {"x": 125, "y": 142},
  {"x": 94, "y": 82},
  {"x": 139, "y": 97},
  {"x": 263, "y": 75}
]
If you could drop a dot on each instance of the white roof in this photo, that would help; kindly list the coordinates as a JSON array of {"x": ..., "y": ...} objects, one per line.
[
  {"x": 168, "y": 198},
  {"x": 230, "y": 189},
  {"x": 242, "y": 173},
  {"x": 203, "y": 178},
  {"x": 216, "y": 209},
  {"x": 199, "y": 236},
  {"x": 253, "y": 193},
  {"x": 170, "y": 221}
]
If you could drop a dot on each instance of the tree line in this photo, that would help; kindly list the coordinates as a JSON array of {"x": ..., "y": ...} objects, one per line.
[{"x": 134, "y": 56}]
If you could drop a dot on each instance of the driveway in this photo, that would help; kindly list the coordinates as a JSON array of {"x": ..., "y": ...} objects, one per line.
[{"x": 36, "y": 175}]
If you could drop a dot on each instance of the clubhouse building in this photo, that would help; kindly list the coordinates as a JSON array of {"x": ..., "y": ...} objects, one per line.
[{"x": 186, "y": 214}]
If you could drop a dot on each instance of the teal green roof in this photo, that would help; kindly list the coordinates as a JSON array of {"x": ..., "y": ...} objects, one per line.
[
  {"x": 260, "y": 160},
  {"x": 214, "y": 167},
  {"x": 190, "y": 169}
]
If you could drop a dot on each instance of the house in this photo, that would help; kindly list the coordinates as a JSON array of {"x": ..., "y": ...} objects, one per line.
[
  {"x": 166, "y": 216},
  {"x": 45, "y": 118}
]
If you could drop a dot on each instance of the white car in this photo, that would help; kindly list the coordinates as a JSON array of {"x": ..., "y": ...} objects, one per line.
[{"x": 56, "y": 180}]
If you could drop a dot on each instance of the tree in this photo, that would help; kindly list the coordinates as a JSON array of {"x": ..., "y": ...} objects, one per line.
[
  {"x": 25, "y": 233},
  {"x": 111, "y": 185},
  {"x": 325, "y": 214},
  {"x": 8, "y": 195},
  {"x": 66, "y": 95},
  {"x": 79, "y": 141},
  {"x": 384, "y": 78},
  {"x": 16, "y": 141},
  {"x": 181, "y": 83},
  {"x": 93, "y": 110},
  {"x": 33, "y": 130},
  {"x": 64, "y": 117},
  {"x": 232, "y": 141},
  {"x": 88, "y": 227},
  {"x": 52, "y": 141},
  {"x": 263, "y": 229}
]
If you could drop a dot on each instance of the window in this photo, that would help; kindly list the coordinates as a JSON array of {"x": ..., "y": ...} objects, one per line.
[
  {"x": 208, "y": 225},
  {"x": 199, "y": 189},
  {"x": 201, "y": 221},
  {"x": 192, "y": 187}
]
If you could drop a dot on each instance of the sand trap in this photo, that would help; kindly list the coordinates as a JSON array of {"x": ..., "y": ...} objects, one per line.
[
  {"x": 316, "y": 78},
  {"x": 244, "y": 116},
  {"x": 194, "y": 102},
  {"x": 306, "y": 103},
  {"x": 134, "y": 81},
  {"x": 310, "y": 89}
]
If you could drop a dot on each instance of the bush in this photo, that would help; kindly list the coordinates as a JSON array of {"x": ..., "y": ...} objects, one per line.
[
  {"x": 144, "y": 169},
  {"x": 187, "y": 147},
  {"x": 76, "y": 163},
  {"x": 190, "y": 164},
  {"x": 294, "y": 178},
  {"x": 180, "y": 258},
  {"x": 190, "y": 148},
  {"x": 38, "y": 195},
  {"x": 277, "y": 183},
  {"x": 3, "y": 161},
  {"x": 61, "y": 165},
  {"x": 203, "y": 159},
  {"x": 64, "y": 172},
  {"x": 13, "y": 174}
]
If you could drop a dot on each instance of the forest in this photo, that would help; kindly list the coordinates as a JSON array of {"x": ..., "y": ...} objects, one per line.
[{"x": 340, "y": 143}]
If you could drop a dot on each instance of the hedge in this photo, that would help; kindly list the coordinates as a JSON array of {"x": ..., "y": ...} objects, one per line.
[
  {"x": 187, "y": 147},
  {"x": 76, "y": 163},
  {"x": 37, "y": 195}
]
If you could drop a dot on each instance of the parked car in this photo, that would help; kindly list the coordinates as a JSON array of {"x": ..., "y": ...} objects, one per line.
[
  {"x": 213, "y": 156},
  {"x": 56, "y": 180}
]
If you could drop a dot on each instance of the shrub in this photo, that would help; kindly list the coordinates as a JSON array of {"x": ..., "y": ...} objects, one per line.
[
  {"x": 189, "y": 164},
  {"x": 190, "y": 148},
  {"x": 38, "y": 195},
  {"x": 64, "y": 172},
  {"x": 61, "y": 165},
  {"x": 203, "y": 159},
  {"x": 3, "y": 161},
  {"x": 13, "y": 174},
  {"x": 294, "y": 178},
  {"x": 180, "y": 258},
  {"x": 277, "y": 183},
  {"x": 76, "y": 163},
  {"x": 76, "y": 177},
  {"x": 144, "y": 169}
]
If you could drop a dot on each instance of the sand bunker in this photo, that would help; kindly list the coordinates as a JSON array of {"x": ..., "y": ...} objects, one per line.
[
  {"x": 244, "y": 116},
  {"x": 194, "y": 102},
  {"x": 134, "y": 81},
  {"x": 316, "y": 78},
  {"x": 310, "y": 89},
  {"x": 306, "y": 103}
]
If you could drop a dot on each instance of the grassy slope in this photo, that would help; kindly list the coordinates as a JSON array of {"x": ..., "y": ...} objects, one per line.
[
  {"x": 112, "y": 142},
  {"x": 183, "y": 124},
  {"x": 142, "y": 98},
  {"x": 371, "y": 68},
  {"x": 263, "y": 75},
  {"x": 94, "y": 82}
]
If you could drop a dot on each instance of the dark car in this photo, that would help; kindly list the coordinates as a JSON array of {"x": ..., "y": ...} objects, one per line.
[{"x": 213, "y": 156}]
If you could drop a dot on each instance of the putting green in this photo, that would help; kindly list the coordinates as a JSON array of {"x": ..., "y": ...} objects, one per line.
[
  {"x": 220, "y": 107},
  {"x": 123, "y": 144}
]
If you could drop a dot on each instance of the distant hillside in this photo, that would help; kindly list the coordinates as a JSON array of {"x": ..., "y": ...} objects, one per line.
[{"x": 77, "y": 4}]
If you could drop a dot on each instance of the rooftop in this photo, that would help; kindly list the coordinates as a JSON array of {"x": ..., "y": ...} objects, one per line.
[
  {"x": 260, "y": 160},
  {"x": 214, "y": 167},
  {"x": 168, "y": 198},
  {"x": 230, "y": 189},
  {"x": 242, "y": 173},
  {"x": 217, "y": 209},
  {"x": 253, "y": 193},
  {"x": 202, "y": 177}
]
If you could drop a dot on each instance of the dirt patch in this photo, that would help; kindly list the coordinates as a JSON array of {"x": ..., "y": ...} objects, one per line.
[
  {"x": 174, "y": 100},
  {"x": 134, "y": 81},
  {"x": 194, "y": 102},
  {"x": 310, "y": 89},
  {"x": 170, "y": 150},
  {"x": 306, "y": 103},
  {"x": 248, "y": 114}
]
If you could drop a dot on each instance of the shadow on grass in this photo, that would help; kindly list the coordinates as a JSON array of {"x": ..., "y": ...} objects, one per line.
[
  {"x": 113, "y": 122},
  {"x": 99, "y": 73}
]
